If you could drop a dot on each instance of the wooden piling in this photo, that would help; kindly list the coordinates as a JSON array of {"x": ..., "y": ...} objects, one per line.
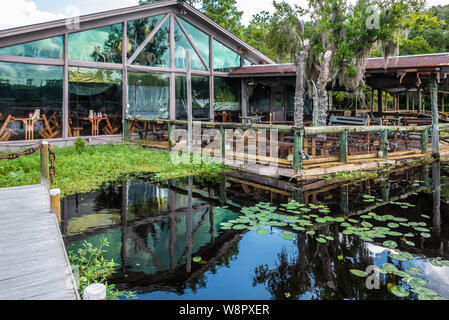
[
  {"x": 344, "y": 147},
  {"x": 425, "y": 141},
  {"x": 297, "y": 156},
  {"x": 45, "y": 170},
  {"x": 55, "y": 203},
  {"x": 383, "y": 144}
]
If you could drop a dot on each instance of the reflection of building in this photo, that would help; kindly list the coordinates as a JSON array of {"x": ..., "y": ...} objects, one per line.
[{"x": 155, "y": 231}]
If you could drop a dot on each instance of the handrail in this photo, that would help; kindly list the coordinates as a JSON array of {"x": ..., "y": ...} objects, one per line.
[{"x": 301, "y": 133}]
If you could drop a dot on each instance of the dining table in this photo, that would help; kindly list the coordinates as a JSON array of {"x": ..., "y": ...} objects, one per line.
[
  {"x": 29, "y": 126},
  {"x": 95, "y": 124}
]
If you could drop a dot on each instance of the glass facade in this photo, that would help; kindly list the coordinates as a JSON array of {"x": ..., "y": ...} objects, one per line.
[
  {"x": 30, "y": 101},
  {"x": 182, "y": 44},
  {"x": 51, "y": 48},
  {"x": 199, "y": 38},
  {"x": 200, "y": 98},
  {"x": 228, "y": 97},
  {"x": 95, "y": 102},
  {"x": 95, "y": 94},
  {"x": 149, "y": 95},
  {"x": 225, "y": 60},
  {"x": 260, "y": 100},
  {"x": 157, "y": 52},
  {"x": 97, "y": 45}
]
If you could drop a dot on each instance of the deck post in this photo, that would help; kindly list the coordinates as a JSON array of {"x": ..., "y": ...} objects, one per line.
[
  {"x": 55, "y": 203},
  {"x": 383, "y": 143},
  {"x": 126, "y": 130},
  {"x": 344, "y": 146},
  {"x": 297, "y": 153},
  {"x": 223, "y": 143},
  {"x": 170, "y": 132},
  {"x": 45, "y": 170},
  {"x": 425, "y": 141}
]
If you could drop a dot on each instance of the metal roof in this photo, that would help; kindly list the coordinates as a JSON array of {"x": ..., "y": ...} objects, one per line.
[
  {"x": 407, "y": 62},
  {"x": 266, "y": 69}
]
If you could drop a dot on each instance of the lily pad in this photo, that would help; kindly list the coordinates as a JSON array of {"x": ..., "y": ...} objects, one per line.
[
  {"x": 239, "y": 227},
  {"x": 197, "y": 259},
  {"x": 390, "y": 244},
  {"x": 426, "y": 235},
  {"x": 263, "y": 232},
  {"x": 398, "y": 257},
  {"x": 390, "y": 268},
  {"x": 359, "y": 273},
  {"x": 414, "y": 271},
  {"x": 400, "y": 292}
]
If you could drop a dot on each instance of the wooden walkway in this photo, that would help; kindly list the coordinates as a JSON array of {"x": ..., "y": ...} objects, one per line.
[{"x": 33, "y": 258}]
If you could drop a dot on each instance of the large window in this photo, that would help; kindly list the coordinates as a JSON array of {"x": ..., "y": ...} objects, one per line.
[
  {"x": 157, "y": 52},
  {"x": 199, "y": 38},
  {"x": 181, "y": 46},
  {"x": 51, "y": 48},
  {"x": 95, "y": 102},
  {"x": 228, "y": 94},
  {"x": 149, "y": 95},
  {"x": 200, "y": 98},
  {"x": 98, "y": 45},
  {"x": 225, "y": 60},
  {"x": 30, "y": 101},
  {"x": 260, "y": 100}
]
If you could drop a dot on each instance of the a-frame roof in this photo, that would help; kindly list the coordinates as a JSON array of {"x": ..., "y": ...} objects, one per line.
[{"x": 44, "y": 30}]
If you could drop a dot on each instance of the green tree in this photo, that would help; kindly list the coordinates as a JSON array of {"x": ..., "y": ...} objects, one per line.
[
  {"x": 225, "y": 13},
  {"x": 256, "y": 33}
]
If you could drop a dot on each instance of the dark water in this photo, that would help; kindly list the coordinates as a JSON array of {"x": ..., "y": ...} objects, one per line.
[{"x": 156, "y": 230}]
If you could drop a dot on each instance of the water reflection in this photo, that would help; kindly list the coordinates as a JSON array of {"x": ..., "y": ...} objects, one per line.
[{"x": 156, "y": 229}]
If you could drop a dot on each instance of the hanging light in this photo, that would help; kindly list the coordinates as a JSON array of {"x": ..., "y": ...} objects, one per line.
[{"x": 128, "y": 46}]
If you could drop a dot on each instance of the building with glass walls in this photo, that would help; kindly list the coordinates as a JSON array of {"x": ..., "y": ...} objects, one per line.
[{"x": 80, "y": 77}]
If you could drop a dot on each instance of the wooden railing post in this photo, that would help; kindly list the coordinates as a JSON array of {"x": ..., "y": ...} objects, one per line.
[
  {"x": 297, "y": 155},
  {"x": 55, "y": 203},
  {"x": 425, "y": 141},
  {"x": 383, "y": 144},
  {"x": 223, "y": 144},
  {"x": 344, "y": 146},
  {"x": 170, "y": 131},
  {"x": 45, "y": 170},
  {"x": 126, "y": 130}
]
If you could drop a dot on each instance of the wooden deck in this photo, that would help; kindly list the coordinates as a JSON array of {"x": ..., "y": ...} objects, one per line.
[{"x": 33, "y": 258}]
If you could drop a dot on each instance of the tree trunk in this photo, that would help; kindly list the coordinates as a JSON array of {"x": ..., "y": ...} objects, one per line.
[
  {"x": 320, "y": 113},
  {"x": 300, "y": 89},
  {"x": 433, "y": 87}
]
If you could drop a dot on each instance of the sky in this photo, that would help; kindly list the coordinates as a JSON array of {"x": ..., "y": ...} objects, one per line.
[{"x": 24, "y": 12}]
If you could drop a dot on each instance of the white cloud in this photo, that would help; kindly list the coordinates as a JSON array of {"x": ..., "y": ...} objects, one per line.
[{"x": 23, "y": 12}]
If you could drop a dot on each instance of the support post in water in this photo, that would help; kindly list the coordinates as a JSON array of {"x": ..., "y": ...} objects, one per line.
[
  {"x": 45, "y": 171},
  {"x": 433, "y": 87},
  {"x": 55, "y": 203},
  {"x": 344, "y": 146},
  {"x": 297, "y": 156},
  {"x": 425, "y": 141}
]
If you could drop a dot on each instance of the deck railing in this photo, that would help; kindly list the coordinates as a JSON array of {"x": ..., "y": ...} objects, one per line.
[{"x": 312, "y": 147}]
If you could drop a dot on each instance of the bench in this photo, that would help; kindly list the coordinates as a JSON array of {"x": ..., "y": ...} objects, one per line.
[
  {"x": 418, "y": 122},
  {"x": 349, "y": 121}
]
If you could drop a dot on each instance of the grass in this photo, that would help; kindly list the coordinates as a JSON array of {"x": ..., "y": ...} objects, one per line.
[{"x": 84, "y": 169}]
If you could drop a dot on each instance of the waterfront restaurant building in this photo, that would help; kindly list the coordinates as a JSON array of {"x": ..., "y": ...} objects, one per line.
[{"x": 80, "y": 77}]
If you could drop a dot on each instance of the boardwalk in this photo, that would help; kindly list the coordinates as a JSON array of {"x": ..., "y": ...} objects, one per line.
[{"x": 33, "y": 260}]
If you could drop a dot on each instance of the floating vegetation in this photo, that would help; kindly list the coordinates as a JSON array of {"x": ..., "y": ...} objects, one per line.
[{"x": 294, "y": 217}]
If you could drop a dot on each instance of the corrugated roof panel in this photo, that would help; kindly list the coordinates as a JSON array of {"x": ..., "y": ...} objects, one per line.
[{"x": 418, "y": 61}]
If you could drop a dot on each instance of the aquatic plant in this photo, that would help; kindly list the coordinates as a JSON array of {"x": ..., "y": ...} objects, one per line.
[{"x": 93, "y": 268}]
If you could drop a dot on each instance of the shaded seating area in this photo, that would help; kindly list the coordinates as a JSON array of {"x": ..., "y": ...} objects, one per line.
[{"x": 5, "y": 132}]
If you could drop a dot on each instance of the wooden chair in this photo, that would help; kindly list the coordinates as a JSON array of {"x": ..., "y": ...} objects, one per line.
[
  {"x": 49, "y": 132},
  {"x": 111, "y": 129},
  {"x": 6, "y": 133}
]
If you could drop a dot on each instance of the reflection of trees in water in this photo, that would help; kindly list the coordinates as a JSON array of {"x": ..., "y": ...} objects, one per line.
[{"x": 317, "y": 270}]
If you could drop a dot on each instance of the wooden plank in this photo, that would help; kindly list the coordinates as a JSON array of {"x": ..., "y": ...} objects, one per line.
[{"x": 34, "y": 261}]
